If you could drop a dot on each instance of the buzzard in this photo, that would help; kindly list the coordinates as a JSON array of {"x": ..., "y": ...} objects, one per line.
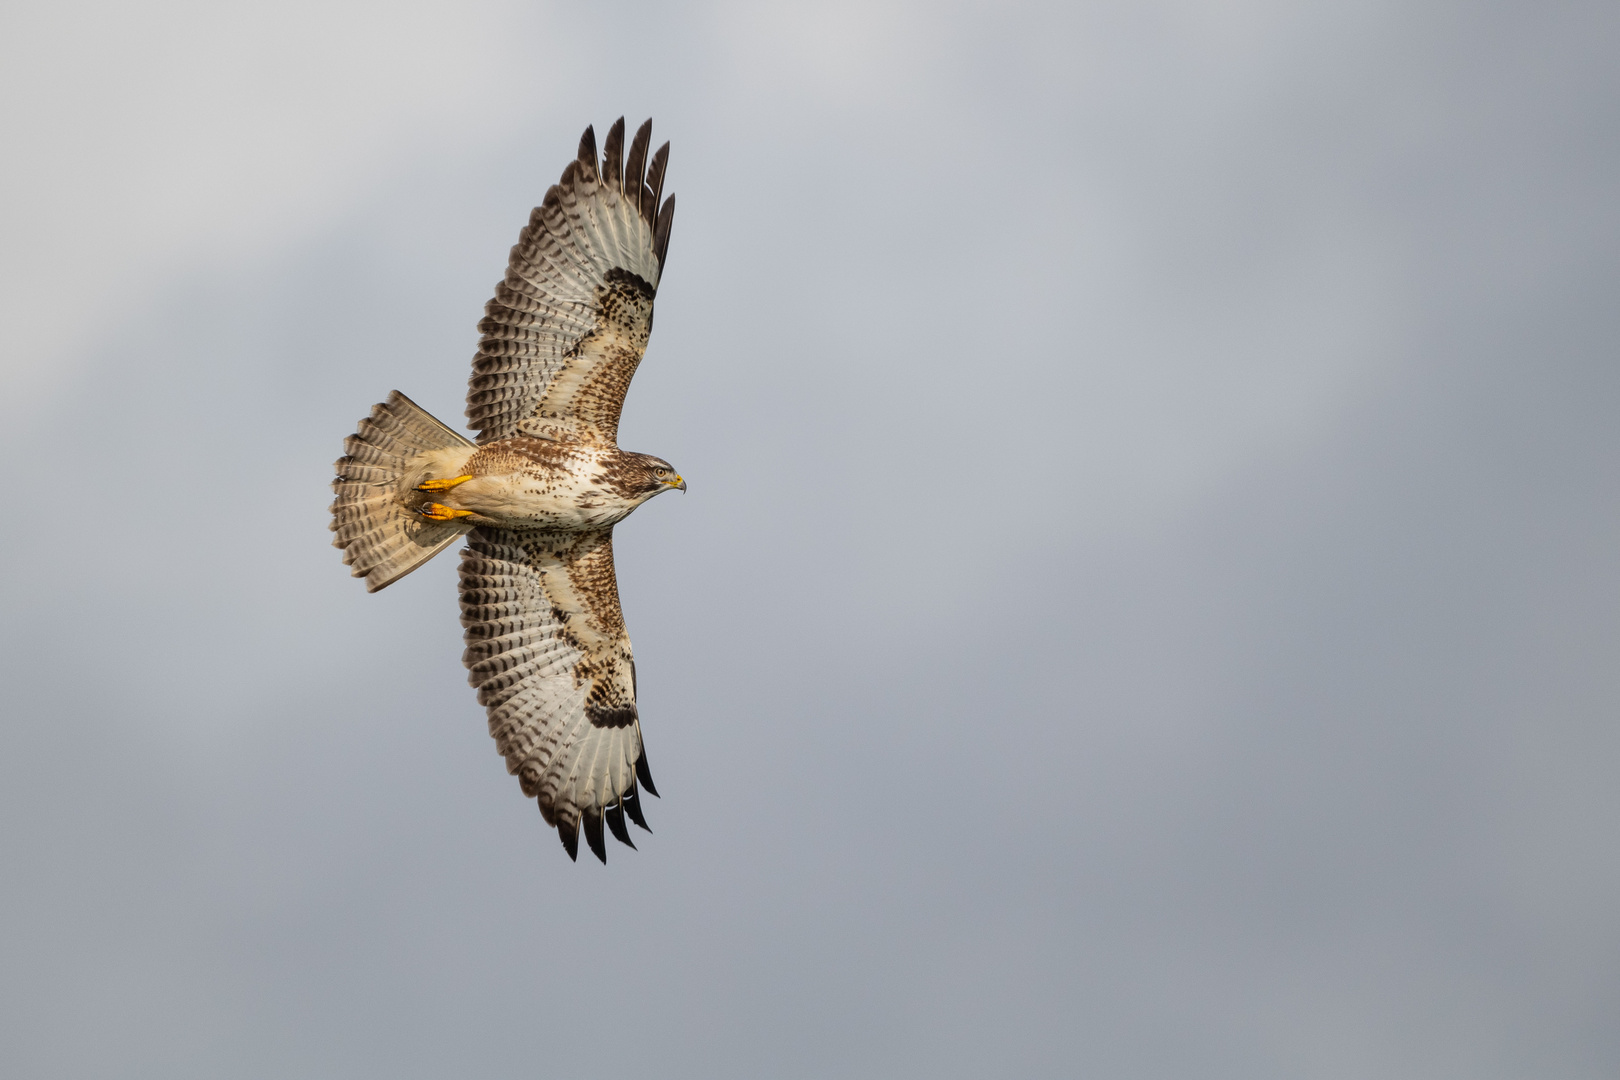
[{"x": 538, "y": 492}]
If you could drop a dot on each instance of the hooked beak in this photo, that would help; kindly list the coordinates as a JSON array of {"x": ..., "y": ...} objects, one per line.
[{"x": 676, "y": 482}]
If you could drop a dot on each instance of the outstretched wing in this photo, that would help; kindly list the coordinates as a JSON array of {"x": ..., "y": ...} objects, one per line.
[
  {"x": 569, "y": 323},
  {"x": 547, "y": 650}
]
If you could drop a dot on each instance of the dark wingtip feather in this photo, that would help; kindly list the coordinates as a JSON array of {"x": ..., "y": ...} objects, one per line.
[
  {"x": 593, "y": 835},
  {"x": 569, "y": 831},
  {"x": 655, "y": 181},
  {"x": 614, "y": 816},
  {"x": 613, "y": 156},
  {"x": 644, "y": 774},
  {"x": 666, "y": 217},
  {"x": 632, "y": 806},
  {"x": 635, "y": 169},
  {"x": 586, "y": 158}
]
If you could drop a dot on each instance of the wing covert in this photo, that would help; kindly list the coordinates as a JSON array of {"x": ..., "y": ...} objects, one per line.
[{"x": 568, "y": 324}]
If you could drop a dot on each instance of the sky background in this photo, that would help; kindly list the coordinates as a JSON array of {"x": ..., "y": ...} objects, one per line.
[{"x": 1148, "y": 603}]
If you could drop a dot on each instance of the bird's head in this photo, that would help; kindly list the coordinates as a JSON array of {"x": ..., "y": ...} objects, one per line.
[{"x": 654, "y": 475}]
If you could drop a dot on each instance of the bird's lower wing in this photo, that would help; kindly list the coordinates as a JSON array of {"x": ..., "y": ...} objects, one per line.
[{"x": 549, "y": 656}]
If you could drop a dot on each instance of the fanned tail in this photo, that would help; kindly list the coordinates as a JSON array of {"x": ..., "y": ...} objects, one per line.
[{"x": 375, "y": 516}]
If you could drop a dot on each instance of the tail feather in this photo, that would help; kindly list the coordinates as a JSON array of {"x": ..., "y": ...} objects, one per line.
[{"x": 375, "y": 515}]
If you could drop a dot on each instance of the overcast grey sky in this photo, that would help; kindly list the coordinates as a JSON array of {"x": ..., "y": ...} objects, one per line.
[{"x": 1148, "y": 602}]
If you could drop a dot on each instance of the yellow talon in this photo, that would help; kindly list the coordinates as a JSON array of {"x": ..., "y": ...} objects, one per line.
[
  {"x": 439, "y": 512},
  {"x": 441, "y": 485}
]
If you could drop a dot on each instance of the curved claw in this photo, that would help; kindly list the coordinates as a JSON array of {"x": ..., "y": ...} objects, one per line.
[
  {"x": 438, "y": 512},
  {"x": 442, "y": 485}
]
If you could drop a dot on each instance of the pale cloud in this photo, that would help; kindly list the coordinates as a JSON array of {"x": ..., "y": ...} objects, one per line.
[
  {"x": 146, "y": 139},
  {"x": 844, "y": 55}
]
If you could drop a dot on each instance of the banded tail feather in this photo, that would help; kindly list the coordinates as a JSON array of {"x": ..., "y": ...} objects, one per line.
[{"x": 375, "y": 515}]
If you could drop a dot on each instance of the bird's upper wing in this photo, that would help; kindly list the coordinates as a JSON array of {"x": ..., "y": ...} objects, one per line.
[
  {"x": 547, "y": 650},
  {"x": 569, "y": 323}
]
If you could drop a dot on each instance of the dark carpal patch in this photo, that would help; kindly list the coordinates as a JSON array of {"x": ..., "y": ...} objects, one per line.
[
  {"x": 619, "y": 275},
  {"x": 610, "y": 716}
]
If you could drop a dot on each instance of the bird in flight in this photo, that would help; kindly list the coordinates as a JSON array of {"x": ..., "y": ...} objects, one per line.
[{"x": 538, "y": 492}]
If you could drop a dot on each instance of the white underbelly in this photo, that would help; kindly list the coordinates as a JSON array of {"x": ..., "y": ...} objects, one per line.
[{"x": 521, "y": 501}]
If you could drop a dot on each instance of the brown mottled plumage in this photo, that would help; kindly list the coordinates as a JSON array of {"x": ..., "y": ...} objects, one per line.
[{"x": 538, "y": 493}]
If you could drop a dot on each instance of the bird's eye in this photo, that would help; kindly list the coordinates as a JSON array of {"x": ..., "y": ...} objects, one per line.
[{"x": 660, "y": 472}]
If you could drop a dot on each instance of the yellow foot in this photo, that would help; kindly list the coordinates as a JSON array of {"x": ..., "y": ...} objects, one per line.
[
  {"x": 439, "y": 512},
  {"x": 441, "y": 485}
]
